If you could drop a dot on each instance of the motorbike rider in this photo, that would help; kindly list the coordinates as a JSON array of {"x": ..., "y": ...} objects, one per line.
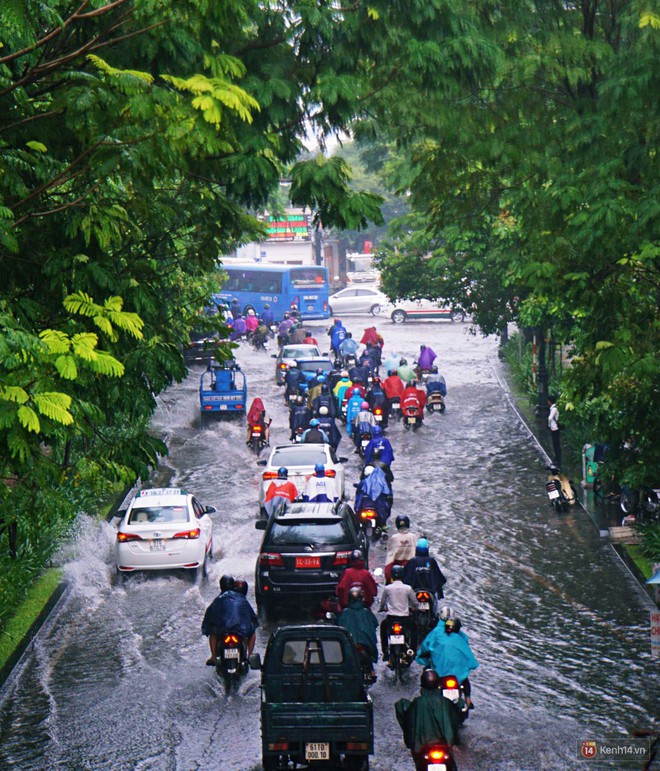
[
  {"x": 425, "y": 358},
  {"x": 377, "y": 399},
  {"x": 412, "y": 394},
  {"x": 381, "y": 443},
  {"x": 363, "y": 423},
  {"x": 361, "y": 624},
  {"x": 374, "y": 490},
  {"x": 373, "y": 337},
  {"x": 257, "y": 416},
  {"x": 428, "y": 719},
  {"x": 314, "y": 387},
  {"x": 356, "y": 573},
  {"x": 230, "y": 611},
  {"x": 341, "y": 387},
  {"x": 297, "y": 334},
  {"x": 353, "y": 406},
  {"x": 319, "y": 488},
  {"x": 372, "y": 356},
  {"x": 251, "y": 321},
  {"x": 398, "y": 599},
  {"x": 283, "y": 329},
  {"x": 299, "y": 417},
  {"x": 280, "y": 489},
  {"x": 324, "y": 399},
  {"x": 446, "y": 649},
  {"x": 435, "y": 382},
  {"x": 309, "y": 340},
  {"x": 238, "y": 329},
  {"x": 314, "y": 434},
  {"x": 328, "y": 425},
  {"x": 267, "y": 318},
  {"x": 235, "y": 308},
  {"x": 359, "y": 373},
  {"x": 393, "y": 385},
  {"x": 376, "y": 462},
  {"x": 405, "y": 372},
  {"x": 293, "y": 378},
  {"x": 337, "y": 333},
  {"x": 348, "y": 347},
  {"x": 423, "y": 572},
  {"x": 400, "y": 546}
]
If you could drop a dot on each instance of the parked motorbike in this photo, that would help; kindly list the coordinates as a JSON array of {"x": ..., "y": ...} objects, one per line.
[
  {"x": 560, "y": 490},
  {"x": 232, "y": 661},
  {"x": 257, "y": 438},
  {"x": 641, "y": 505},
  {"x": 412, "y": 415},
  {"x": 454, "y": 691},
  {"x": 434, "y": 757},
  {"x": 435, "y": 402},
  {"x": 400, "y": 652},
  {"x": 426, "y": 616}
]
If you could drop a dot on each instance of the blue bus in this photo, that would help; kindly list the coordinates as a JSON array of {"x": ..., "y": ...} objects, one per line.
[{"x": 281, "y": 286}]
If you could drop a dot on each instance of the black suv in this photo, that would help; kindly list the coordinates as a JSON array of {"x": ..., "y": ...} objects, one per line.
[{"x": 304, "y": 552}]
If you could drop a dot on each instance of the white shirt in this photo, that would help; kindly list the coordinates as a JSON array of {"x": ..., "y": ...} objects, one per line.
[
  {"x": 553, "y": 418},
  {"x": 398, "y": 598}
]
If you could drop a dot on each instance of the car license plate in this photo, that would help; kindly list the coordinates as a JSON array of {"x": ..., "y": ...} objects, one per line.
[
  {"x": 411, "y": 420},
  {"x": 317, "y": 750},
  {"x": 157, "y": 545},
  {"x": 231, "y": 653},
  {"x": 423, "y": 606},
  {"x": 397, "y": 639},
  {"x": 450, "y": 693},
  {"x": 308, "y": 562},
  {"x": 552, "y": 494}
]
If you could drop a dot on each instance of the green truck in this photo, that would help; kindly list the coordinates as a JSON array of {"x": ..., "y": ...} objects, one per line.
[{"x": 315, "y": 711}]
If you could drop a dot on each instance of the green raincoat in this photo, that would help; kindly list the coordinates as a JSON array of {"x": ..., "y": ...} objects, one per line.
[
  {"x": 428, "y": 718},
  {"x": 361, "y": 624}
]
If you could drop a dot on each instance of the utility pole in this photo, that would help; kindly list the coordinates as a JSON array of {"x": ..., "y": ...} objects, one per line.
[
  {"x": 318, "y": 244},
  {"x": 541, "y": 409}
]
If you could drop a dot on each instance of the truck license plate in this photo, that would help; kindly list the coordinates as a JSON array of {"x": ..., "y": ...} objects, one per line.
[
  {"x": 397, "y": 639},
  {"x": 317, "y": 750},
  {"x": 231, "y": 653},
  {"x": 157, "y": 545}
]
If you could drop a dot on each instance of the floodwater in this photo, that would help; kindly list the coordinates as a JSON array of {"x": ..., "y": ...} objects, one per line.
[{"x": 117, "y": 678}]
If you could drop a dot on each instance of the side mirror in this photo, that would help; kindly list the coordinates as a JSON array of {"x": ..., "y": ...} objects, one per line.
[
  {"x": 262, "y": 462},
  {"x": 255, "y": 661},
  {"x": 260, "y": 524},
  {"x": 343, "y": 460},
  {"x": 210, "y": 510}
]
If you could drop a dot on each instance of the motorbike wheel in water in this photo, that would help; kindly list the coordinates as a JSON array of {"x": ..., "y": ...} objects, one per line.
[{"x": 231, "y": 664}]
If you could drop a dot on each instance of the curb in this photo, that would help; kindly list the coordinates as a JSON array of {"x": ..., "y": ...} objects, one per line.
[{"x": 28, "y": 638}]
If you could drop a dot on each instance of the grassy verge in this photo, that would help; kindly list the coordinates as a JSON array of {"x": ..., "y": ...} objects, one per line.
[
  {"x": 36, "y": 598},
  {"x": 642, "y": 562}
]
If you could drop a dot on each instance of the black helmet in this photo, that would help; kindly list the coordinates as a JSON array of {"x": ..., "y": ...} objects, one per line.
[
  {"x": 430, "y": 680},
  {"x": 241, "y": 586},
  {"x": 434, "y": 369},
  {"x": 402, "y": 521},
  {"x": 397, "y": 572},
  {"x": 392, "y": 372},
  {"x": 324, "y": 388},
  {"x": 402, "y": 362},
  {"x": 453, "y": 625},
  {"x": 413, "y": 383},
  {"x": 422, "y": 347},
  {"x": 226, "y": 583},
  {"x": 356, "y": 555},
  {"x": 355, "y": 593},
  {"x": 266, "y": 306}
]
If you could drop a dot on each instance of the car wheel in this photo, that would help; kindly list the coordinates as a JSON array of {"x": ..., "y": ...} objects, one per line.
[
  {"x": 398, "y": 317},
  {"x": 330, "y": 311},
  {"x": 375, "y": 309},
  {"x": 457, "y": 316}
]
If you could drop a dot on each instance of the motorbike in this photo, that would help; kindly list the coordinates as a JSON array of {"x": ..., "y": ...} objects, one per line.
[
  {"x": 257, "y": 438},
  {"x": 434, "y": 757},
  {"x": 560, "y": 490},
  {"x": 426, "y": 616},
  {"x": 368, "y": 518},
  {"x": 259, "y": 341},
  {"x": 232, "y": 661},
  {"x": 400, "y": 652},
  {"x": 454, "y": 691},
  {"x": 395, "y": 408},
  {"x": 363, "y": 442},
  {"x": 380, "y": 417},
  {"x": 640, "y": 505},
  {"x": 297, "y": 434},
  {"x": 412, "y": 415},
  {"x": 435, "y": 402}
]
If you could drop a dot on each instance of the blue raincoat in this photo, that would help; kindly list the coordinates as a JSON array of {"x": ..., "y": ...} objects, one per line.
[
  {"x": 348, "y": 347},
  {"x": 352, "y": 409},
  {"x": 337, "y": 336},
  {"x": 386, "y": 451},
  {"x": 375, "y": 489},
  {"x": 392, "y": 362},
  {"x": 447, "y": 654}
]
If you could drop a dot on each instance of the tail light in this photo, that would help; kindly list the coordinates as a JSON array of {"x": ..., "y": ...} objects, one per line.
[
  {"x": 341, "y": 558},
  {"x": 231, "y": 639},
  {"x": 208, "y": 407},
  {"x": 256, "y": 429},
  {"x": 423, "y": 596},
  {"x": 271, "y": 560},
  {"x": 283, "y": 365},
  {"x": 450, "y": 682},
  {"x": 123, "y": 537},
  {"x": 397, "y": 629},
  {"x": 325, "y": 305},
  {"x": 278, "y": 746},
  {"x": 189, "y": 534},
  {"x": 368, "y": 514},
  {"x": 378, "y": 411},
  {"x": 330, "y": 473},
  {"x": 357, "y": 746},
  {"x": 269, "y": 475},
  {"x": 437, "y": 755}
]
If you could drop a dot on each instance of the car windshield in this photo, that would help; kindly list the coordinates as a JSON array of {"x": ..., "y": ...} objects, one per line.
[
  {"x": 318, "y": 533},
  {"x": 293, "y": 652},
  {"x": 298, "y": 456},
  {"x": 298, "y": 353},
  {"x": 312, "y": 366},
  {"x": 161, "y": 514}
]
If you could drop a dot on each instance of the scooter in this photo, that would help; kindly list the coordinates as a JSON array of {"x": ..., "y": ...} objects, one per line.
[
  {"x": 412, "y": 415},
  {"x": 639, "y": 505},
  {"x": 560, "y": 490},
  {"x": 395, "y": 408},
  {"x": 363, "y": 443},
  {"x": 453, "y": 690},
  {"x": 368, "y": 518},
  {"x": 232, "y": 661},
  {"x": 257, "y": 438},
  {"x": 400, "y": 652},
  {"x": 435, "y": 402},
  {"x": 434, "y": 757},
  {"x": 426, "y": 616}
]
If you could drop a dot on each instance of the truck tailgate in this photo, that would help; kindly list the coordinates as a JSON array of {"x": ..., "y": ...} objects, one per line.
[{"x": 353, "y": 721}]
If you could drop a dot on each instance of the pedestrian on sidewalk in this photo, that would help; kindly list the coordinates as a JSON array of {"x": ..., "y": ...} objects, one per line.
[{"x": 553, "y": 426}]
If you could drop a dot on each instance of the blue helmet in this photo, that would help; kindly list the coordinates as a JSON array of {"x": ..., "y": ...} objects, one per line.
[
  {"x": 422, "y": 548},
  {"x": 319, "y": 469},
  {"x": 376, "y": 430},
  {"x": 314, "y": 422},
  {"x": 282, "y": 472},
  {"x": 320, "y": 379}
]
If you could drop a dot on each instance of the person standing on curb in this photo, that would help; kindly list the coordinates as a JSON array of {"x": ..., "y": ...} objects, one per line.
[{"x": 553, "y": 426}]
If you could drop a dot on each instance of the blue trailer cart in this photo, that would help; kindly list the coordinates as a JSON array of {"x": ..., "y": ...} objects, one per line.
[{"x": 222, "y": 391}]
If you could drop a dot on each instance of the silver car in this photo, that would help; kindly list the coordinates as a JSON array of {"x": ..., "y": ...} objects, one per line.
[
  {"x": 354, "y": 299},
  {"x": 287, "y": 357}
]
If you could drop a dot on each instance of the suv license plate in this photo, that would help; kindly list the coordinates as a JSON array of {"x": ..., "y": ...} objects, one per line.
[
  {"x": 317, "y": 750},
  {"x": 397, "y": 639},
  {"x": 157, "y": 545},
  {"x": 308, "y": 562},
  {"x": 231, "y": 653}
]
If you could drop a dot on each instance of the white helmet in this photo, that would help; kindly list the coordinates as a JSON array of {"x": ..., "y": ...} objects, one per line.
[
  {"x": 446, "y": 612},
  {"x": 250, "y": 312},
  {"x": 323, "y": 410},
  {"x": 368, "y": 470}
]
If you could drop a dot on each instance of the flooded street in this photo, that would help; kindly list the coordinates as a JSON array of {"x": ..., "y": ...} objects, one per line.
[{"x": 117, "y": 680}]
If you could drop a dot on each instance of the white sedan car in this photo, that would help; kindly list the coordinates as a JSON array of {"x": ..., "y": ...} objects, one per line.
[
  {"x": 164, "y": 529},
  {"x": 357, "y": 299},
  {"x": 299, "y": 460}
]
